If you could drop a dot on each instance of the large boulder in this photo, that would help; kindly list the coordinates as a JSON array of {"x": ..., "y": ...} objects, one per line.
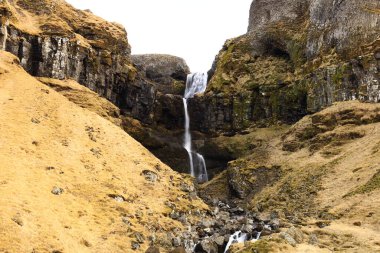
[{"x": 168, "y": 71}]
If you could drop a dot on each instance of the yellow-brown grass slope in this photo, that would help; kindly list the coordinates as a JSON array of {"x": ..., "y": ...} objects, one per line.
[{"x": 49, "y": 144}]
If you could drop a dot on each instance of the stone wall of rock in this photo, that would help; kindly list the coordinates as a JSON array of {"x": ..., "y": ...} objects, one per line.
[
  {"x": 74, "y": 44},
  {"x": 61, "y": 57},
  {"x": 296, "y": 58}
]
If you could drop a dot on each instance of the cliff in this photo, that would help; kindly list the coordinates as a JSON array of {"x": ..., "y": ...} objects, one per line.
[
  {"x": 297, "y": 57},
  {"x": 52, "y": 39},
  {"x": 294, "y": 105}
]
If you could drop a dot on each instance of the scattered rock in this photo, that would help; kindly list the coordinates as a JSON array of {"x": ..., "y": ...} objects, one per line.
[
  {"x": 176, "y": 241},
  {"x": 322, "y": 224},
  {"x": 296, "y": 234},
  {"x": 219, "y": 240},
  {"x": 36, "y": 121},
  {"x": 86, "y": 243},
  {"x": 275, "y": 224},
  {"x": 57, "y": 191},
  {"x": 313, "y": 240},
  {"x": 135, "y": 245},
  {"x": 140, "y": 238},
  {"x": 139, "y": 214},
  {"x": 357, "y": 223},
  {"x": 91, "y": 133},
  {"x": 45, "y": 91},
  {"x": 174, "y": 215},
  {"x": 288, "y": 238},
  {"x": 150, "y": 176},
  {"x": 118, "y": 198},
  {"x": 125, "y": 220},
  {"x": 96, "y": 152},
  {"x": 187, "y": 188},
  {"x": 206, "y": 246},
  {"x": 17, "y": 219}
]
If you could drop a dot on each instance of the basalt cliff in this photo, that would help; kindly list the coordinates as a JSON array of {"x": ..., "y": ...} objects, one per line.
[{"x": 289, "y": 126}]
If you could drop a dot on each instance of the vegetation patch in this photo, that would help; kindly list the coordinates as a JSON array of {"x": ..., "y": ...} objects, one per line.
[{"x": 372, "y": 185}]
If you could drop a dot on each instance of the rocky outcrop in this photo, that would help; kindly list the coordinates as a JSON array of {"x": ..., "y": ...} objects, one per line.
[
  {"x": 155, "y": 95},
  {"x": 74, "y": 44},
  {"x": 297, "y": 58},
  {"x": 170, "y": 72},
  {"x": 61, "y": 42}
]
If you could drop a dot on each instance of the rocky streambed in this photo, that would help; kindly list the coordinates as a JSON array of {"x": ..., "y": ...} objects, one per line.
[{"x": 224, "y": 225}]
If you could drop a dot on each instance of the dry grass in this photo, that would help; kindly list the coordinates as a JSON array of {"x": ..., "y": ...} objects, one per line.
[
  {"x": 47, "y": 141},
  {"x": 56, "y": 17},
  {"x": 330, "y": 172}
]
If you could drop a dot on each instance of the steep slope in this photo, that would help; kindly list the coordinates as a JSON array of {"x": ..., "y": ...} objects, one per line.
[
  {"x": 54, "y": 40},
  {"x": 72, "y": 181},
  {"x": 320, "y": 175}
]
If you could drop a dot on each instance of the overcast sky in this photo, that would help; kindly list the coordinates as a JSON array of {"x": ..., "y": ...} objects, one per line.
[{"x": 192, "y": 29}]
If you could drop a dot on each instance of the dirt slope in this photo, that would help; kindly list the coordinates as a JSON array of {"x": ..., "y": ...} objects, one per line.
[{"x": 114, "y": 189}]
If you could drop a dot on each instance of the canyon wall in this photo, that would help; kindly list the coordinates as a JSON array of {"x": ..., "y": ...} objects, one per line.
[
  {"x": 297, "y": 57},
  {"x": 52, "y": 39}
]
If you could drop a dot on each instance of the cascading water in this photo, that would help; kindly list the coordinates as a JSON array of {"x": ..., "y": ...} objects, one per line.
[
  {"x": 239, "y": 237},
  {"x": 196, "y": 83}
]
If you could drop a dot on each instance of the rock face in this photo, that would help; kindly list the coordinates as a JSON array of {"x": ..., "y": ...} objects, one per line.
[
  {"x": 69, "y": 44},
  {"x": 167, "y": 70},
  {"x": 296, "y": 58},
  {"x": 61, "y": 42},
  {"x": 155, "y": 95},
  {"x": 74, "y": 44}
]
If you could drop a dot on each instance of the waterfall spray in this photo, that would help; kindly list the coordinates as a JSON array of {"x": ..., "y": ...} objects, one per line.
[{"x": 196, "y": 83}]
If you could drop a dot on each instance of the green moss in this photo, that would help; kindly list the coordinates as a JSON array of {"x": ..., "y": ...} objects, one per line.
[
  {"x": 261, "y": 246},
  {"x": 179, "y": 87},
  {"x": 337, "y": 78},
  {"x": 372, "y": 185},
  {"x": 241, "y": 109},
  {"x": 296, "y": 52}
]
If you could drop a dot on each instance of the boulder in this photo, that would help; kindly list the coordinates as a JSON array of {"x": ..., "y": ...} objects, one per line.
[{"x": 169, "y": 72}]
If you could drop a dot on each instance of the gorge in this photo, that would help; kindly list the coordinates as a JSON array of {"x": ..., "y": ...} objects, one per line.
[{"x": 95, "y": 143}]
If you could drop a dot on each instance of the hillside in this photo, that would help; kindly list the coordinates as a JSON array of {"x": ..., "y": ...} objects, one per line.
[
  {"x": 289, "y": 127},
  {"x": 320, "y": 175},
  {"x": 72, "y": 181}
]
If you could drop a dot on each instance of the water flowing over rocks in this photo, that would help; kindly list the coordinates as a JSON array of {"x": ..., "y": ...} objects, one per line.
[
  {"x": 195, "y": 84},
  {"x": 220, "y": 228}
]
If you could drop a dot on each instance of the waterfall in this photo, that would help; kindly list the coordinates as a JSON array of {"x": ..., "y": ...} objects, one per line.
[
  {"x": 237, "y": 237},
  {"x": 195, "y": 84},
  {"x": 240, "y": 237}
]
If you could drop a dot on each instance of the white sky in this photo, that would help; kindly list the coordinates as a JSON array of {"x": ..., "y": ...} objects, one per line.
[{"x": 192, "y": 29}]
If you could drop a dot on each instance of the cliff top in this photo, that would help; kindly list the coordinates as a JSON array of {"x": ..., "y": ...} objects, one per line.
[{"x": 56, "y": 17}]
